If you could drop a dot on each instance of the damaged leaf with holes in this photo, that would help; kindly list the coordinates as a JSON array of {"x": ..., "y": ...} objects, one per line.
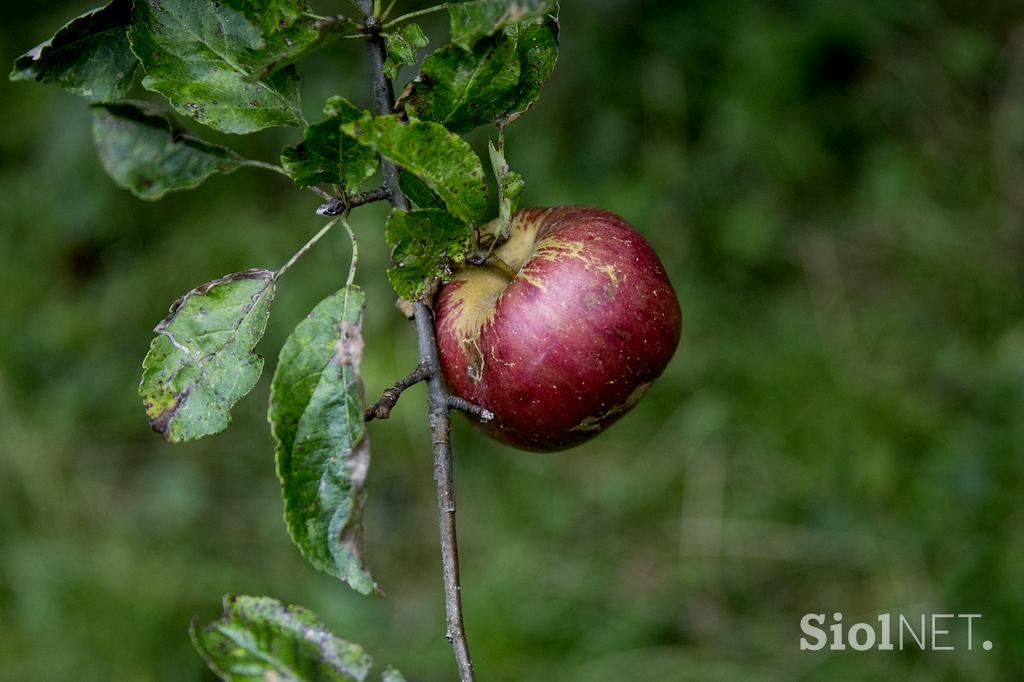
[
  {"x": 202, "y": 362},
  {"x": 327, "y": 156},
  {"x": 498, "y": 79},
  {"x": 472, "y": 20},
  {"x": 401, "y": 47},
  {"x": 142, "y": 150},
  {"x": 258, "y": 639},
  {"x": 272, "y": 15},
  {"x": 222, "y": 65},
  {"x": 537, "y": 47},
  {"x": 426, "y": 244},
  {"x": 323, "y": 450},
  {"x": 462, "y": 89},
  {"x": 441, "y": 159}
]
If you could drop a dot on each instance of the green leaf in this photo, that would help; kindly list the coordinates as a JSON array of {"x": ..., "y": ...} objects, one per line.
[
  {"x": 201, "y": 362},
  {"x": 417, "y": 192},
  {"x": 441, "y": 159},
  {"x": 216, "y": 64},
  {"x": 144, "y": 153},
  {"x": 537, "y": 46},
  {"x": 88, "y": 56},
  {"x": 426, "y": 243},
  {"x": 401, "y": 48},
  {"x": 391, "y": 675},
  {"x": 260, "y": 639},
  {"x": 476, "y": 19},
  {"x": 323, "y": 451},
  {"x": 273, "y": 15},
  {"x": 325, "y": 155},
  {"x": 464, "y": 89}
]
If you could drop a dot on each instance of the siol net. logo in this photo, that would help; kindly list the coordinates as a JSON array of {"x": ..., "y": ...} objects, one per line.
[{"x": 929, "y": 632}]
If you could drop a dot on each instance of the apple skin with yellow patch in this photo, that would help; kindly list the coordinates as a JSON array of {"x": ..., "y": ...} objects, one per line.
[{"x": 571, "y": 342}]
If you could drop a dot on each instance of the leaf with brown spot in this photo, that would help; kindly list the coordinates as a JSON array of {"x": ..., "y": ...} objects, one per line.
[
  {"x": 202, "y": 362},
  {"x": 402, "y": 45},
  {"x": 462, "y": 89},
  {"x": 426, "y": 244},
  {"x": 495, "y": 79},
  {"x": 323, "y": 451},
  {"x": 442, "y": 160},
  {"x": 223, "y": 64},
  {"x": 259, "y": 639},
  {"x": 472, "y": 20},
  {"x": 325, "y": 155}
]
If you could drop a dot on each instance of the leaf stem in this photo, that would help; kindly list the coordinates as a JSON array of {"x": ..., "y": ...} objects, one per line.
[
  {"x": 438, "y": 413},
  {"x": 355, "y": 250},
  {"x": 387, "y": 10},
  {"x": 323, "y": 195},
  {"x": 417, "y": 13},
  {"x": 306, "y": 247},
  {"x": 252, "y": 163}
]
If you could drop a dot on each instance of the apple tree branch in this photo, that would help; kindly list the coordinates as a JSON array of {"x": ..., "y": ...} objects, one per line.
[{"x": 382, "y": 408}]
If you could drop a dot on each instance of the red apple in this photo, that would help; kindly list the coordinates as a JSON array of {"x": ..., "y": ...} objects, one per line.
[{"x": 569, "y": 337}]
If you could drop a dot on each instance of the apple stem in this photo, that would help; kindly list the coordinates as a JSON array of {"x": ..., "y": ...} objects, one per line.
[
  {"x": 489, "y": 260},
  {"x": 501, "y": 266},
  {"x": 437, "y": 395}
]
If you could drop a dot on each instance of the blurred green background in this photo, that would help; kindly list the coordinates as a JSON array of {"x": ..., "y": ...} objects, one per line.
[{"x": 836, "y": 189}]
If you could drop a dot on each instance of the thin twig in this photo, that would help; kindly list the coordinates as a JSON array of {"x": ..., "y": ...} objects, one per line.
[
  {"x": 389, "y": 398},
  {"x": 457, "y": 403},
  {"x": 338, "y": 205},
  {"x": 437, "y": 395}
]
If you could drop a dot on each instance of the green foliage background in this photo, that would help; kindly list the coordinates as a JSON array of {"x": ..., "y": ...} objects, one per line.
[{"x": 837, "y": 192}]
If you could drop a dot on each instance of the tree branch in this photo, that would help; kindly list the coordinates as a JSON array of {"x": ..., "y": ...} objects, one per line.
[
  {"x": 437, "y": 395},
  {"x": 338, "y": 205},
  {"x": 440, "y": 427},
  {"x": 382, "y": 408},
  {"x": 457, "y": 403}
]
